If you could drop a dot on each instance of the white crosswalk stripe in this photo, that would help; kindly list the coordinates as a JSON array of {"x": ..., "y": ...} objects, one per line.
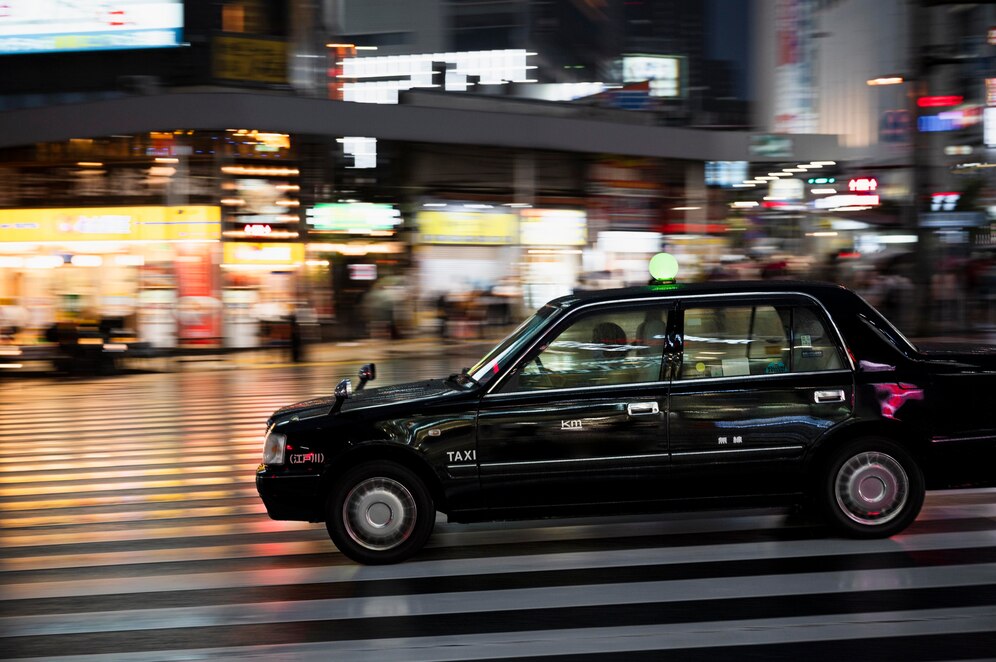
[{"x": 131, "y": 530}]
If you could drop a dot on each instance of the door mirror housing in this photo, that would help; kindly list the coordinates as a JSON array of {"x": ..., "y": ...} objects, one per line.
[
  {"x": 343, "y": 391},
  {"x": 367, "y": 373}
]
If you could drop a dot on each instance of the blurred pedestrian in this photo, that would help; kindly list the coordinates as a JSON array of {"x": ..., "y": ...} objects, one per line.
[
  {"x": 296, "y": 344},
  {"x": 443, "y": 315}
]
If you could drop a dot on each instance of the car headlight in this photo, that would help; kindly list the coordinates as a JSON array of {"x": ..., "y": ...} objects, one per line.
[{"x": 274, "y": 448}]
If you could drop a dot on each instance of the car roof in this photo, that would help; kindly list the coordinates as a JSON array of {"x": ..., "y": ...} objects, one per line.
[{"x": 658, "y": 290}]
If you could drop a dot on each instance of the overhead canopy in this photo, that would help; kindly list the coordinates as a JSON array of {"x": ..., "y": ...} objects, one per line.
[{"x": 501, "y": 124}]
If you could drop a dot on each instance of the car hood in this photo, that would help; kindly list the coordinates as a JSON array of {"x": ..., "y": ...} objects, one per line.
[{"x": 385, "y": 395}]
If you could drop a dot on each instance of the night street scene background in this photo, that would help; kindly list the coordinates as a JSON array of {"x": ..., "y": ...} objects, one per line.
[{"x": 211, "y": 209}]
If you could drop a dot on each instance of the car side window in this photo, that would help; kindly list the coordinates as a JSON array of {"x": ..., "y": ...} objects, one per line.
[
  {"x": 741, "y": 341},
  {"x": 619, "y": 346},
  {"x": 813, "y": 348}
]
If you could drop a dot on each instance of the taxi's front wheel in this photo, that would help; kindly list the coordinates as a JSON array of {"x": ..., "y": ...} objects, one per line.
[
  {"x": 872, "y": 488},
  {"x": 379, "y": 512}
]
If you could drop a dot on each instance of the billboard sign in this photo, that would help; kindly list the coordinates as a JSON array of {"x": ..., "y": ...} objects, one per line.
[
  {"x": 181, "y": 223},
  {"x": 725, "y": 173},
  {"x": 553, "y": 227},
  {"x": 253, "y": 60},
  {"x": 770, "y": 146},
  {"x": 354, "y": 217},
  {"x": 467, "y": 227},
  {"x": 662, "y": 71},
  {"x": 53, "y": 26}
]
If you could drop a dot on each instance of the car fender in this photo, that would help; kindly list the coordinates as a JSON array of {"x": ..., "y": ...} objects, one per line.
[
  {"x": 385, "y": 450},
  {"x": 908, "y": 436}
]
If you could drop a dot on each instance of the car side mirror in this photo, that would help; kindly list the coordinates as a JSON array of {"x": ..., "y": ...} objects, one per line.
[
  {"x": 343, "y": 391},
  {"x": 368, "y": 373}
]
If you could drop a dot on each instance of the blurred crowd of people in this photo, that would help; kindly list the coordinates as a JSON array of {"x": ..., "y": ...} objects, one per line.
[
  {"x": 961, "y": 299},
  {"x": 962, "y": 291},
  {"x": 396, "y": 310}
]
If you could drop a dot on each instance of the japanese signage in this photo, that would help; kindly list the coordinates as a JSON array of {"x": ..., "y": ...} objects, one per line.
[
  {"x": 624, "y": 194},
  {"x": 250, "y": 59},
  {"x": 111, "y": 224},
  {"x": 353, "y": 217},
  {"x": 862, "y": 184},
  {"x": 795, "y": 97},
  {"x": 279, "y": 255},
  {"x": 553, "y": 227},
  {"x": 467, "y": 227}
]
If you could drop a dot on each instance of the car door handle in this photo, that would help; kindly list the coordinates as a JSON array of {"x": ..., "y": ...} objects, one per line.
[
  {"x": 821, "y": 397},
  {"x": 642, "y": 409}
]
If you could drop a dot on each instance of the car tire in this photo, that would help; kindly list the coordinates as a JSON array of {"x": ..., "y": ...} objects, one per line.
[
  {"x": 379, "y": 512},
  {"x": 871, "y": 488}
]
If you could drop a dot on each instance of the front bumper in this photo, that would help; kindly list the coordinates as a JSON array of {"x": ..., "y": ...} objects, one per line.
[{"x": 292, "y": 497}]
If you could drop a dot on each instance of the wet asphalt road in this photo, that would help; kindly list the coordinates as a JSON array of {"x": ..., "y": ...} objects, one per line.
[{"x": 131, "y": 530}]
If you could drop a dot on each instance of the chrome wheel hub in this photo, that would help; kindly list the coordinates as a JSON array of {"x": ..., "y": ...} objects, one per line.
[
  {"x": 379, "y": 513},
  {"x": 871, "y": 488}
]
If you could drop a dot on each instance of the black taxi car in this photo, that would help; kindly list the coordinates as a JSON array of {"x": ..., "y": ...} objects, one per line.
[{"x": 641, "y": 399}]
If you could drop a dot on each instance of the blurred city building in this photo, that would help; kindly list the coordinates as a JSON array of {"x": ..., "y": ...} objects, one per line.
[
  {"x": 214, "y": 173},
  {"x": 908, "y": 88}
]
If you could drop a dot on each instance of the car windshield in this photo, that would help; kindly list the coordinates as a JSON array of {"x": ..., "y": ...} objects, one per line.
[{"x": 498, "y": 358}]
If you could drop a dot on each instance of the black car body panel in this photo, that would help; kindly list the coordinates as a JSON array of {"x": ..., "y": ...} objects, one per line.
[{"x": 743, "y": 418}]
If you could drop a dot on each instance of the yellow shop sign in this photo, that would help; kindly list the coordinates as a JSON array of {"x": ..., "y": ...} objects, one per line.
[
  {"x": 195, "y": 223},
  {"x": 263, "y": 253}
]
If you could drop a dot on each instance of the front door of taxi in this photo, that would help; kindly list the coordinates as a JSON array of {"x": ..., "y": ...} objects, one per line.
[{"x": 581, "y": 419}]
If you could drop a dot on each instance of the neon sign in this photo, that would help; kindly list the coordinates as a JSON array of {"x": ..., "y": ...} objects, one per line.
[
  {"x": 257, "y": 229},
  {"x": 862, "y": 185},
  {"x": 940, "y": 101},
  {"x": 944, "y": 201}
]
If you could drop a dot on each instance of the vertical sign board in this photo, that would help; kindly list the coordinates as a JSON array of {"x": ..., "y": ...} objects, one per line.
[
  {"x": 989, "y": 132},
  {"x": 795, "y": 96},
  {"x": 198, "y": 308}
]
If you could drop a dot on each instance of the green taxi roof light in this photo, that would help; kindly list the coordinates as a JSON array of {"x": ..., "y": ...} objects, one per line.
[{"x": 663, "y": 267}]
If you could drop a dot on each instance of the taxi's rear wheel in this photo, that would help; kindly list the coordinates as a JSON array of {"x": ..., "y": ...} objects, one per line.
[
  {"x": 379, "y": 512},
  {"x": 872, "y": 488}
]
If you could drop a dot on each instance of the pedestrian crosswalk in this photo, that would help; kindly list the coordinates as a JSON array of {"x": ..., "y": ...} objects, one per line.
[{"x": 131, "y": 530}]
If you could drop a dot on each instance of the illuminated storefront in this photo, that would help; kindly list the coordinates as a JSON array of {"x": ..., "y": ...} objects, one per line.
[
  {"x": 464, "y": 246},
  {"x": 474, "y": 246},
  {"x": 353, "y": 246},
  {"x": 260, "y": 289},
  {"x": 552, "y": 240},
  {"x": 151, "y": 269}
]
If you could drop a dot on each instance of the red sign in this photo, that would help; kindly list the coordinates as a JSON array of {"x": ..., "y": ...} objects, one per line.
[
  {"x": 198, "y": 309},
  {"x": 940, "y": 102},
  {"x": 992, "y": 36},
  {"x": 991, "y": 91},
  {"x": 863, "y": 184}
]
